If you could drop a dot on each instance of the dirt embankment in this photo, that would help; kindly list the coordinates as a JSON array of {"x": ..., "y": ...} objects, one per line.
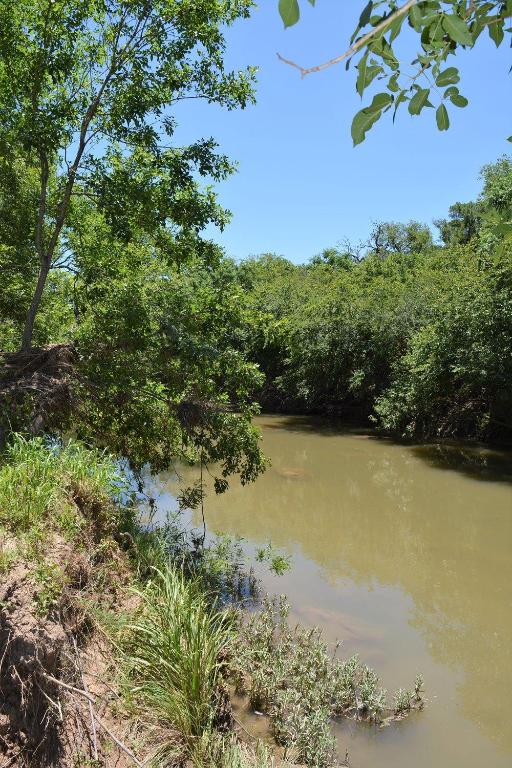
[{"x": 57, "y": 698}]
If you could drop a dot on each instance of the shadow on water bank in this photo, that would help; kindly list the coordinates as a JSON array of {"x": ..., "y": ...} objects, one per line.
[
  {"x": 316, "y": 425},
  {"x": 478, "y": 461}
]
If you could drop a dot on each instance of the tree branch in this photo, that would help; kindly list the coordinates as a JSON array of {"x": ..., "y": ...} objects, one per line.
[
  {"x": 42, "y": 206},
  {"x": 383, "y": 25}
]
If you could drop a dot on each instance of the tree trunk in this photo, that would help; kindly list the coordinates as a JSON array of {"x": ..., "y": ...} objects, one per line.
[{"x": 34, "y": 306}]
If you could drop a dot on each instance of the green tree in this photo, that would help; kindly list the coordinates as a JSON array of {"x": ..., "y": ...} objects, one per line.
[
  {"x": 490, "y": 217},
  {"x": 455, "y": 375},
  {"x": 440, "y": 28},
  {"x": 85, "y": 92},
  {"x": 412, "y": 335},
  {"x": 100, "y": 236},
  {"x": 462, "y": 225},
  {"x": 392, "y": 237},
  {"x": 160, "y": 372}
]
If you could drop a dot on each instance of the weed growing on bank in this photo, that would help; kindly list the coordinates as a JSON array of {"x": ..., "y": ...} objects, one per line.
[
  {"x": 173, "y": 647},
  {"x": 41, "y": 483}
]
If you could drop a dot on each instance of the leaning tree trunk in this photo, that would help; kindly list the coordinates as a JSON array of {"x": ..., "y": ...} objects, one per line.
[{"x": 34, "y": 306}]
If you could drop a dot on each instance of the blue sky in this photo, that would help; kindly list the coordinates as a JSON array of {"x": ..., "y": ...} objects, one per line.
[{"x": 300, "y": 185}]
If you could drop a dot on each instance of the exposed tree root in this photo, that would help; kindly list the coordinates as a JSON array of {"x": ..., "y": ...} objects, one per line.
[{"x": 41, "y": 376}]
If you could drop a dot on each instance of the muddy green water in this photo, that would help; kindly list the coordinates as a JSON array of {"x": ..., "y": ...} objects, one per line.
[{"x": 404, "y": 554}]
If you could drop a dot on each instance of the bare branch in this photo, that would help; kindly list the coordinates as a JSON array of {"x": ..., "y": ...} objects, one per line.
[
  {"x": 364, "y": 40},
  {"x": 102, "y": 725}
]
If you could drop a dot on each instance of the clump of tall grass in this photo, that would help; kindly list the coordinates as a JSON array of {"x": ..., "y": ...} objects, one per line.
[
  {"x": 216, "y": 750},
  {"x": 38, "y": 479},
  {"x": 173, "y": 648},
  {"x": 290, "y": 675}
]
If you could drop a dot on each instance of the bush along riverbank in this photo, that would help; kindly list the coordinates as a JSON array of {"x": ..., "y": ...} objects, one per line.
[{"x": 121, "y": 646}]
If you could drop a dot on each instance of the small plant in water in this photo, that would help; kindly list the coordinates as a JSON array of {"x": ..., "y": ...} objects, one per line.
[
  {"x": 290, "y": 675},
  {"x": 277, "y": 562},
  {"x": 403, "y": 701},
  {"x": 418, "y": 687}
]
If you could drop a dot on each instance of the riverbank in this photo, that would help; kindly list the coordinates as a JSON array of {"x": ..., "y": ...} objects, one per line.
[
  {"x": 86, "y": 678},
  {"x": 122, "y": 645}
]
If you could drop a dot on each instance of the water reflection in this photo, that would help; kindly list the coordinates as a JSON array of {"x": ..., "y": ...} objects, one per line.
[
  {"x": 406, "y": 563},
  {"x": 475, "y": 461}
]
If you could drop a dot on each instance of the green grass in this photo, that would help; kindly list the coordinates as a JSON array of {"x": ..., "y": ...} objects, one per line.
[
  {"x": 38, "y": 481},
  {"x": 216, "y": 751},
  {"x": 173, "y": 648}
]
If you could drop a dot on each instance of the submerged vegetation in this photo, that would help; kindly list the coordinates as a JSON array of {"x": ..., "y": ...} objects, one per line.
[{"x": 292, "y": 676}]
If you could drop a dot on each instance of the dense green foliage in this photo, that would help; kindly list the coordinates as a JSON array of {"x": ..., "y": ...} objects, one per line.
[
  {"x": 439, "y": 29},
  {"x": 101, "y": 212},
  {"x": 415, "y": 335}
]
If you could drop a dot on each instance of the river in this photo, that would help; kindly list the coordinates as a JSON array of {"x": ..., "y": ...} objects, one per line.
[{"x": 404, "y": 554}]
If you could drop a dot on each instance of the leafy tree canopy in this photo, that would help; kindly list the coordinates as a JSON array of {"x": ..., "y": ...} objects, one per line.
[
  {"x": 430, "y": 81},
  {"x": 409, "y": 333},
  {"x": 85, "y": 92},
  {"x": 101, "y": 214}
]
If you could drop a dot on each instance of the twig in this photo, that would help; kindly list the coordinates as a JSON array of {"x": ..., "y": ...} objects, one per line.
[
  {"x": 8, "y": 642},
  {"x": 384, "y": 24},
  {"x": 100, "y": 722}
]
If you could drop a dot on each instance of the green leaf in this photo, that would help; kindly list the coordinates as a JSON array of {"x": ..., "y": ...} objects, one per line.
[
  {"x": 365, "y": 118},
  {"x": 509, "y": 138},
  {"x": 362, "y": 122},
  {"x": 448, "y": 76},
  {"x": 495, "y": 28},
  {"x": 380, "y": 101},
  {"x": 395, "y": 28},
  {"x": 289, "y": 11},
  {"x": 402, "y": 96},
  {"x": 415, "y": 18},
  {"x": 419, "y": 100},
  {"x": 443, "y": 121},
  {"x": 457, "y": 29},
  {"x": 458, "y": 100},
  {"x": 393, "y": 83},
  {"x": 455, "y": 97},
  {"x": 382, "y": 48},
  {"x": 366, "y": 74},
  {"x": 365, "y": 15}
]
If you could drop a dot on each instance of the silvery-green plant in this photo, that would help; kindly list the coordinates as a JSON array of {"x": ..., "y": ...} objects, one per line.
[{"x": 291, "y": 675}]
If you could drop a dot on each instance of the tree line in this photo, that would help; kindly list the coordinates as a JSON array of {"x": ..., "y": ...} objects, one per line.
[{"x": 413, "y": 334}]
